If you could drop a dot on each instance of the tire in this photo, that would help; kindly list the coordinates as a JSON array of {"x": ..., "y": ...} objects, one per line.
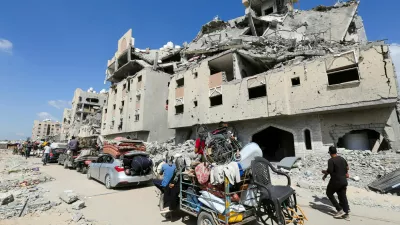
[
  {"x": 84, "y": 170},
  {"x": 65, "y": 164},
  {"x": 78, "y": 169},
  {"x": 88, "y": 176},
  {"x": 107, "y": 182},
  {"x": 205, "y": 218}
]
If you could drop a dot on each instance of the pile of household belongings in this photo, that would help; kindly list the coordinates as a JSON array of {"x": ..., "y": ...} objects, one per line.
[
  {"x": 120, "y": 146},
  {"x": 208, "y": 182}
]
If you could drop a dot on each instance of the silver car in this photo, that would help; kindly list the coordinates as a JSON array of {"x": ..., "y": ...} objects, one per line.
[{"x": 112, "y": 173}]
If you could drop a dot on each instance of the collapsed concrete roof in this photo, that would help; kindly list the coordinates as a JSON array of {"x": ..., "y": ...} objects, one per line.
[
  {"x": 149, "y": 55},
  {"x": 277, "y": 38},
  {"x": 329, "y": 23}
]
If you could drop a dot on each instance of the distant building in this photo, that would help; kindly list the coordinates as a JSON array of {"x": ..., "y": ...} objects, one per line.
[
  {"x": 85, "y": 104},
  {"x": 139, "y": 90},
  {"x": 45, "y": 130}
]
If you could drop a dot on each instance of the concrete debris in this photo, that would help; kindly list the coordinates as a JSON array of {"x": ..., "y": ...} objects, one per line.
[
  {"x": 78, "y": 205},
  {"x": 364, "y": 167},
  {"x": 6, "y": 198},
  {"x": 69, "y": 197},
  {"x": 159, "y": 150},
  {"x": 77, "y": 216},
  {"x": 20, "y": 193}
]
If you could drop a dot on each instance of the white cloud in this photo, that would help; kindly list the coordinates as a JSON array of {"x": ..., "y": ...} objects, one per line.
[
  {"x": 395, "y": 53},
  {"x": 6, "y": 46},
  {"x": 60, "y": 104},
  {"x": 46, "y": 115},
  {"x": 20, "y": 134}
]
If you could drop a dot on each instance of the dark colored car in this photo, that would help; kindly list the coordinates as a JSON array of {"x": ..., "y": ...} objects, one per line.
[{"x": 56, "y": 150}]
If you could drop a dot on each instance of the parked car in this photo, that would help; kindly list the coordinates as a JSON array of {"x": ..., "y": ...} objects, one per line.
[
  {"x": 113, "y": 173},
  {"x": 56, "y": 150},
  {"x": 67, "y": 159},
  {"x": 85, "y": 158}
]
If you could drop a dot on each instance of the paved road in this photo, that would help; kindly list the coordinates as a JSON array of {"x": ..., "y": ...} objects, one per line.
[{"x": 139, "y": 205}]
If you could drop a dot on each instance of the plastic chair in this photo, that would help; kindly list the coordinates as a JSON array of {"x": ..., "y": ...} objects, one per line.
[{"x": 274, "y": 200}]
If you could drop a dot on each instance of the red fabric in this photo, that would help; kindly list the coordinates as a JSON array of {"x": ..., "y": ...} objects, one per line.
[{"x": 200, "y": 145}]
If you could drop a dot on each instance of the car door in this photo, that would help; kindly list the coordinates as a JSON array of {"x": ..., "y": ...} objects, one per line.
[
  {"x": 105, "y": 166},
  {"x": 94, "y": 168}
]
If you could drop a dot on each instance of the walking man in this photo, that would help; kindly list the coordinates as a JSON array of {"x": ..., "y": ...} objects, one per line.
[
  {"x": 28, "y": 149},
  {"x": 338, "y": 170},
  {"x": 46, "y": 154}
]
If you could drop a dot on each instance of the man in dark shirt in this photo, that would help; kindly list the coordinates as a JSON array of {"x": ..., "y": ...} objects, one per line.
[{"x": 338, "y": 170}]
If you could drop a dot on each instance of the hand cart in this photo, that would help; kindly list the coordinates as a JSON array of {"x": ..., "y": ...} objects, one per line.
[{"x": 210, "y": 215}]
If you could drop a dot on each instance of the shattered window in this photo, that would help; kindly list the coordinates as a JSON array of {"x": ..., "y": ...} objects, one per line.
[{"x": 137, "y": 117}]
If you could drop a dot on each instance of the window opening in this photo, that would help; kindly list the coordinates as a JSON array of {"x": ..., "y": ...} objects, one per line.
[
  {"x": 195, "y": 74},
  {"x": 195, "y": 103},
  {"x": 343, "y": 75},
  {"x": 307, "y": 139},
  {"x": 179, "y": 109},
  {"x": 257, "y": 92},
  {"x": 296, "y": 81},
  {"x": 180, "y": 82},
  {"x": 216, "y": 100},
  {"x": 139, "y": 78}
]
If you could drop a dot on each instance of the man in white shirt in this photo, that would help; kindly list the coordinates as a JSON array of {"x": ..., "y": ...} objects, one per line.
[{"x": 46, "y": 154}]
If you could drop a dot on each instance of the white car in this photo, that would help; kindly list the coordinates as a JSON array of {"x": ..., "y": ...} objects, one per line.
[{"x": 113, "y": 173}]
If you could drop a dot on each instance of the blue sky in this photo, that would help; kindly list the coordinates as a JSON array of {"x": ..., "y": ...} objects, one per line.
[{"x": 48, "y": 48}]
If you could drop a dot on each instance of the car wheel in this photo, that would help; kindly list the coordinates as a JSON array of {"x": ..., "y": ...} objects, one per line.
[
  {"x": 88, "y": 176},
  {"x": 65, "y": 165},
  {"x": 84, "y": 170},
  {"x": 108, "y": 182},
  {"x": 205, "y": 218}
]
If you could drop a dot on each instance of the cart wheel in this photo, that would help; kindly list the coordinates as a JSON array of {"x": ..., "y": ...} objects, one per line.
[{"x": 205, "y": 218}]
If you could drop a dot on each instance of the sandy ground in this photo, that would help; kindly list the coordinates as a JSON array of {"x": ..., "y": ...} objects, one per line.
[{"x": 138, "y": 205}]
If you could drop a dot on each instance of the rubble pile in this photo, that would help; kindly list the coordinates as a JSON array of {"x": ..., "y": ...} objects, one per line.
[
  {"x": 19, "y": 193},
  {"x": 365, "y": 167},
  {"x": 158, "y": 150}
]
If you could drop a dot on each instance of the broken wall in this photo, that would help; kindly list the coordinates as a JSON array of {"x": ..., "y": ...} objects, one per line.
[
  {"x": 381, "y": 120},
  {"x": 375, "y": 85}
]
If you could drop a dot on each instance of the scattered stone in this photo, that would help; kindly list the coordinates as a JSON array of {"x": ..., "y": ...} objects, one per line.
[
  {"x": 55, "y": 203},
  {"x": 68, "y": 197},
  {"x": 356, "y": 178},
  {"x": 6, "y": 198},
  {"x": 77, "y": 216},
  {"x": 303, "y": 184},
  {"x": 78, "y": 205}
]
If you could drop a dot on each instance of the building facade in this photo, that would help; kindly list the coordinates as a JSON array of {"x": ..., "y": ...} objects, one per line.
[
  {"x": 85, "y": 104},
  {"x": 45, "y": 130},
  {"x": 290, "y": 92},
  {"x": 139, "y": 89}
]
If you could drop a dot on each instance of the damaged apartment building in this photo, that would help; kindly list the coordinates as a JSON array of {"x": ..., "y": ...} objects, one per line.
[
  {"x": 139, "y": 88},
  {"x": 292, "y": 81},
  {"x": 84, "y": 118}
]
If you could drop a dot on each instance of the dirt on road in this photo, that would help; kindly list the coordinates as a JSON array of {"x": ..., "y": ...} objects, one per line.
[{"x": 138, "y": 205}]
